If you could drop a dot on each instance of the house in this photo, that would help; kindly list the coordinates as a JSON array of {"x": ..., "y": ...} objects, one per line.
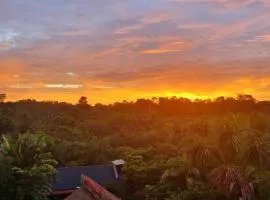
[{"x": 69, "y": 178}]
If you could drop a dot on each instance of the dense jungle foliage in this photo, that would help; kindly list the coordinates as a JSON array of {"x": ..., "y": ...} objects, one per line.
[{"x": 174, "y": 148}]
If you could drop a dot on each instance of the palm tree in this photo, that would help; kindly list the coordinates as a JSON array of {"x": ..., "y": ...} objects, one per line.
[
  {"x": 251, "y": 152},
  {"x": 230, "y": 173},
  {"x": 205, "y": 157},
  {"x": 232, "y": 181},
  {"x": 30, "y": 168},
  {"x": 255, "y": 150},
  {"x": 181, "y": 174},
  {"x": 223, "y": 174}
]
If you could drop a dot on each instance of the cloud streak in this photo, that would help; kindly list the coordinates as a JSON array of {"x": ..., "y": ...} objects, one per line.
[{"x": 64, "y": 86}]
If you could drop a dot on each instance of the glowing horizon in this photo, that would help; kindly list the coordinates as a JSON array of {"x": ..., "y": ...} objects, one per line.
[
  {"x": 113, "y": 50},
  {"x": 74, "y": 99}
]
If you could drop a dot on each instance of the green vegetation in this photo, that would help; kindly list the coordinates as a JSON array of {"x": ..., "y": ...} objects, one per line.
[
  {"x": 27, "y": 169},
  {"x": 175, "y": 149}
]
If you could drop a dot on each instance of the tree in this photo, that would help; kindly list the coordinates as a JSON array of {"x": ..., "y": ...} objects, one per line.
[
  {"x": 83, "y": 100},
  {"x": 232, "y": 181},
  {"x": 246, "y": 98},
  {"x": 6, "y": 125},
  {"x": 235, "y": 177},
  {"x": 2, "y": 97},
  {"x": 177, "y": 174},
  {"x": 205, "y": 157},
  {"x": 256, "y": 151},
  {"x": 27, "y": 168}
]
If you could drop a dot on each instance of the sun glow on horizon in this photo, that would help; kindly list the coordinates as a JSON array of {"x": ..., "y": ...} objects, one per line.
[
  {"x": 188, "y": 95},
  {"x": 113, "y": 97}
]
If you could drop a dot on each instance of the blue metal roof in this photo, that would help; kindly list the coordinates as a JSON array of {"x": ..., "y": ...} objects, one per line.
[{"x": 69, "y": 178}]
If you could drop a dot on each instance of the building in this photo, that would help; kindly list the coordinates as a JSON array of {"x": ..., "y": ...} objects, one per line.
[
  {"x": 69, "y": 178},
  {"x": 90, "y": 190}
]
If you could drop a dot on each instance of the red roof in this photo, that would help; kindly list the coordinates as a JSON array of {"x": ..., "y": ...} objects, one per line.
[{"x": 96, "y": 190}]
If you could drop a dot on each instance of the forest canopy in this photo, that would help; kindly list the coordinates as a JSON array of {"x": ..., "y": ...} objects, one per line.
[{"x": 175, "y": 148}]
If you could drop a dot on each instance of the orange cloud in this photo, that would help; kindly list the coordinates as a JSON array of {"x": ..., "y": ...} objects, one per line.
[
  {"x": 10, "y": 68},
  {"x": 158, "y": 51},
  {"x": 168, "y": 47},
  {"x": 193, "y": 81},
  {"x": 64, "y": 86}
]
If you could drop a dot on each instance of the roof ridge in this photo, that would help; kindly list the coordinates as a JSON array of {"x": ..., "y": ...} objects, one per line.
[{"x": 95, "y": 189}]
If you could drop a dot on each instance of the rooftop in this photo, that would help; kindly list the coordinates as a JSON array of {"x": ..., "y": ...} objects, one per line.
[{"x": 69, "y": 178}]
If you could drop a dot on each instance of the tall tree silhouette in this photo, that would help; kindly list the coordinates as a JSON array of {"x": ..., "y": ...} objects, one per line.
[
  {"x": 83, "y": 100},
  {"x": 2, "y": 97}
]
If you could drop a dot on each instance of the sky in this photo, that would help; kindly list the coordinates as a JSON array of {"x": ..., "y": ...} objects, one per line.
[{"x": 114, "y": 50}]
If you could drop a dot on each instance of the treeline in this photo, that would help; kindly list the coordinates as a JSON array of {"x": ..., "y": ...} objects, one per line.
[
  {"x": 175, "y": 148},
  {"x": 145, "y": 108},
  {"x": 63, "y": 120}
]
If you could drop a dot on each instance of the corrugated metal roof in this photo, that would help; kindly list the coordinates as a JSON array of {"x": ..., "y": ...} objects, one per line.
[{"x": 69, "y": 178}]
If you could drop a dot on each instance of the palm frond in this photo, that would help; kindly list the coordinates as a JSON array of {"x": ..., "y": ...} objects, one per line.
[{"x": 232, "y": 181}]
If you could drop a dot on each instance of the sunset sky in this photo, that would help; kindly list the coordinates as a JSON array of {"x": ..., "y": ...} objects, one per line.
[{"x": 111, "y": 50}]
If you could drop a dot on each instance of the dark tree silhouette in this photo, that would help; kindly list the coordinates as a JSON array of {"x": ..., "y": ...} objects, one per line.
[
  {"x": 83, "y": 100},
  {"x": 2, "y": 97}
]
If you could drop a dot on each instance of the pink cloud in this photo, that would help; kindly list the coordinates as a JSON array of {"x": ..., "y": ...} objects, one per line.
[
  {"x": 237, "y": 28},
  {"x": 158, "y": 17},
  {"x": 127, "y": 29},
  {"x": 261, "y": 38},
  {"x": 195, "y": 26},
  {"x": 78, "y": 33},
  {"x": 147, "y": 19}
]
